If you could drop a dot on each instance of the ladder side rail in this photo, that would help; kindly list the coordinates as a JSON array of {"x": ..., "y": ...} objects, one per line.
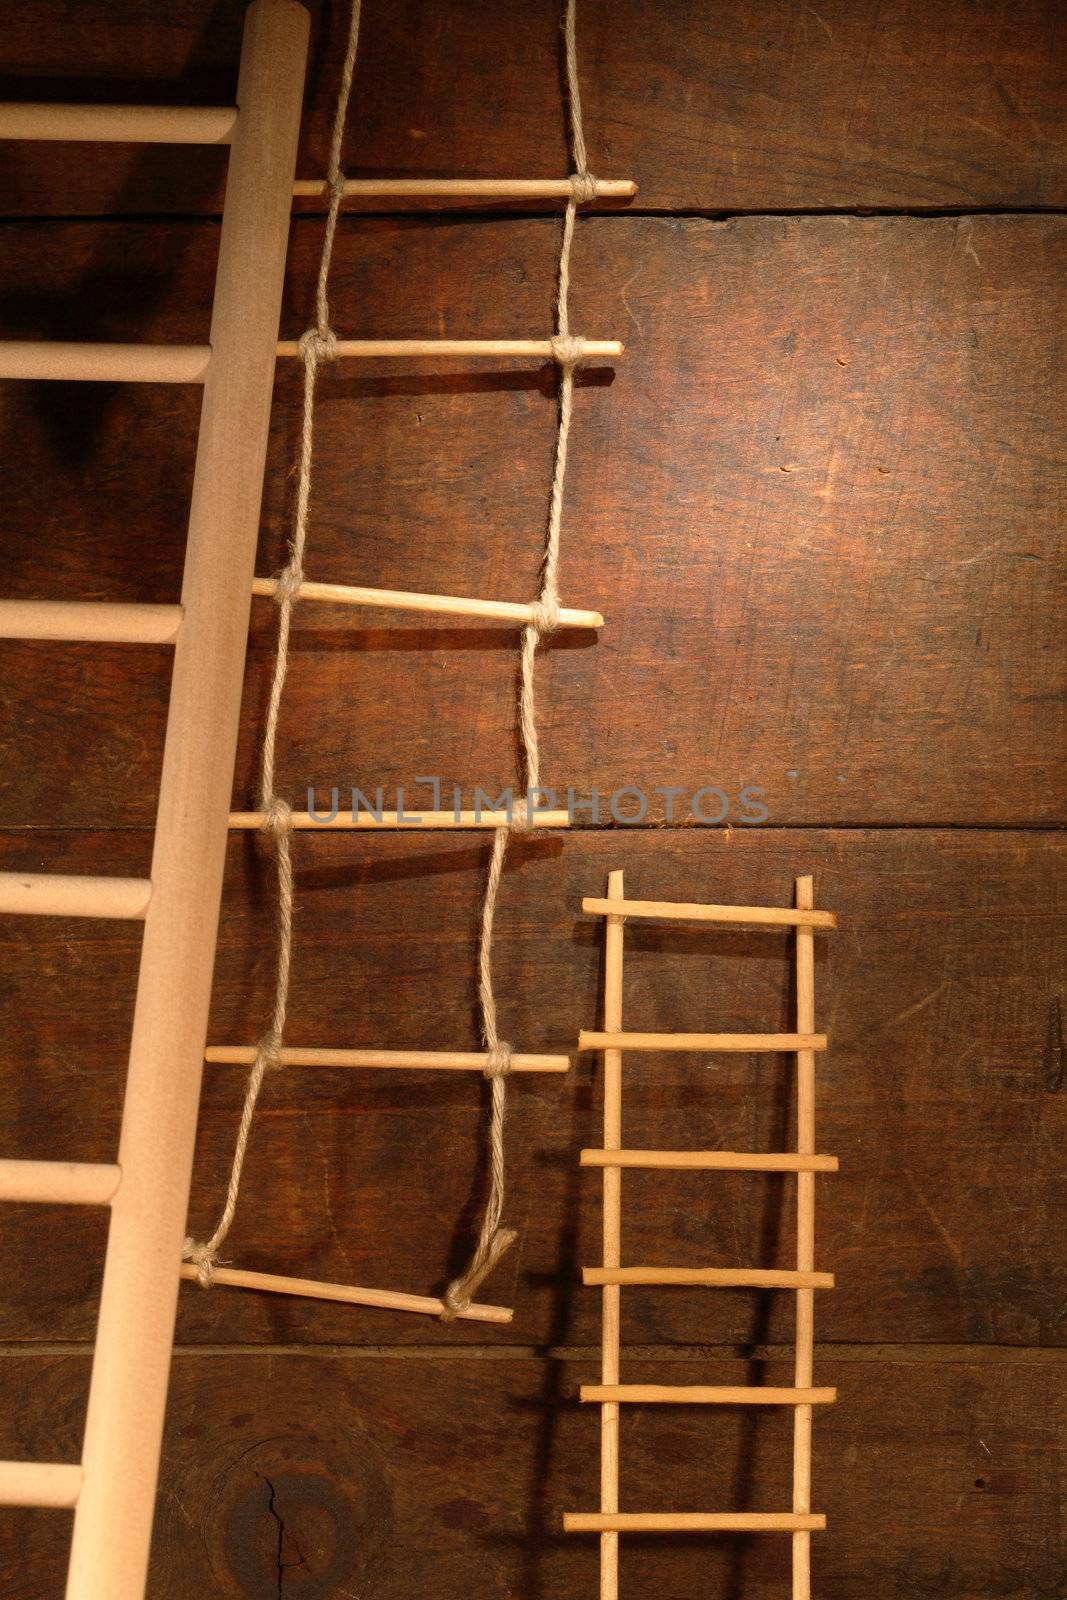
[
  {"x": 611, "y": 1292},
  {"x": 805, "y": 1314},
  {"x": 113, "y": 1520}
]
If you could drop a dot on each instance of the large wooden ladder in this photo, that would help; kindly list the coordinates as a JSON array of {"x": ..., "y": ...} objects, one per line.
[
  {"x": 112, "y": 1489},
  {"x": 610, "y": 1393}
]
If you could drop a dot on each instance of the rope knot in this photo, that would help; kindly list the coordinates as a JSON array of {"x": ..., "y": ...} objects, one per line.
[
  {"x": 459, "y": 1295},
  {"x": 269, "y": 1050},
  {"x": 335, "y": 187},
  {"x": 204, "y": 1259},
  {"x": 567, "y": 350},
  {"x": 316, "y": 345},
  {"x": 520, "y": 816},
  {"x": 584, "y": 187},
  {"x": 278, "y": 818},
  {"x": 498, "y": 1061},
  {"x": 288, "y": 584},
  {"x": 544, "y": 615}
]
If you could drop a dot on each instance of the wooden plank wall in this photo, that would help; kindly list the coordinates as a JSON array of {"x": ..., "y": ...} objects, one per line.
[{"x": 818, "y": 502}]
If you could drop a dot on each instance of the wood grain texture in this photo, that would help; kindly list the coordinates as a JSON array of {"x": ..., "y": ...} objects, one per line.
[
  {"x": 941, "y": 1092},
  {"x": 816, "y": 502},
  {"x": 761, "y": 105},
  {"x": 294, "y": 1475}
]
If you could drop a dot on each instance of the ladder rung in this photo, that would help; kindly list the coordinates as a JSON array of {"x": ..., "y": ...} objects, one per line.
[
  {"x": 346, "y": 1294},
  {"x": 704, "y": 1395},
  {"x": 34, "y": 894},
  {"x": 118, "y": 124},
  {"x": 412, "y": 821},
  {"x": 509, "y": 349},
  {"x": 692, "y": 1522},
  {"x": 784, "y": 1042},
  {"x": 50, "y": 360},
  {"x": 419, "y": 1060},
  {"x": 447, "y": 605},
  {"x": 464, "y": 188},
  {"x": 669, "y": 911},
  {"x": 709, "y": 1160},
  {"x": 40, "y": 1483},
  {"x": 76, "y": 1183},
  {"x": 96, "y": 622},
  {"x": 715, "y": 1277}
]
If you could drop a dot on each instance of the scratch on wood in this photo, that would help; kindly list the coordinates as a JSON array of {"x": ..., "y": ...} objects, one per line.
[{"x": 1054, "y": 1059}]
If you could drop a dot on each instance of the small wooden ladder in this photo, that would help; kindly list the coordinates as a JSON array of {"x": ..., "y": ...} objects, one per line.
[
  {"x": 609, "y": 1521},
  {"x": 112, "y": 1490}
]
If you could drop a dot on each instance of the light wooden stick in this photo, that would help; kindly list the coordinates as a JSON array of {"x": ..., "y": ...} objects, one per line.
[
  {"x": 709, "y": 1160},
  {"x": 406, "y": 822},
  {"x": 132, "y": 1359},
  {"x": 669, "y": 911},
  {"x": 507, "y": 349},
  {"x": 690, "y": 1522},
  {"x": 75, "y": 1183},
  {"x": 51, "y": 361},
  {"x": 785, "y": 1043},
  {"x": 346, "y": 1294},
  {"x": 716, "y": 1277},
  {"x": 119, "y": 124},
  {"x": 805, "y": 1323},
  {"x": 612, "y": 1231},
  {"x": 54, "y": 1485},
  {"x": 704, "y": 1395},
  {"x": 416, "y": 1060},
  {"x": 93, "y": 621},
  {"x": 464, "y": 188},
  {"x": 53, "y": 894},
  {"x": 445, "y": 605}
]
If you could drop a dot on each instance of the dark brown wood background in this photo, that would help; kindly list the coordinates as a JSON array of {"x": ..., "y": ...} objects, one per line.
[{"x": 818, "y": 503}]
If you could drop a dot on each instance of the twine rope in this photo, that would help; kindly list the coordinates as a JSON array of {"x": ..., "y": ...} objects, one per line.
[
  {"x": 493, "y": 1239},
  {"x": 318, "y": 344}
]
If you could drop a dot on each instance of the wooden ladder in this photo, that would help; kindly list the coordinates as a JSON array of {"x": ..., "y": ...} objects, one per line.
[
  {"x": 112, "y": 1489},
  {"x": 610, "y": 1393}
]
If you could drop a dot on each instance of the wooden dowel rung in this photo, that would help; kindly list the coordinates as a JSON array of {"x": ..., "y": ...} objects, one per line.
[
  {"x": 51, "y": 361},
  {"x": 710, "y": 1277},
  {"x": 118, "y": 124},
  {"x": 709, "y": 1160},
  {"x": 51, "y": 1484},
  {"x": 416, "y": 1060},
  {"x": 703, "y": 1395},
  {"x": 464, "y": 188},
  {"x": 346, "y": 1294},
  {"x": 407, "y": 822},
  {"x": 446, "y": 605},
  {"x": 780, "y": 1042},
  {"x": 690, "y": 1522},
  {"x": 34, "y": 894},
  {"x": 93, "y": 622},
  {"x": 507, "y": 349},
  {"x": 76, "y": 1183},
  {"x": 669, "y": 911}
]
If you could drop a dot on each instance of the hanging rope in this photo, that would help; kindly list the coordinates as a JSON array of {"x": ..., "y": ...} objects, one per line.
[
  {"x": 493, "y": 1239},
  {"x": 319, "y": 343}
]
